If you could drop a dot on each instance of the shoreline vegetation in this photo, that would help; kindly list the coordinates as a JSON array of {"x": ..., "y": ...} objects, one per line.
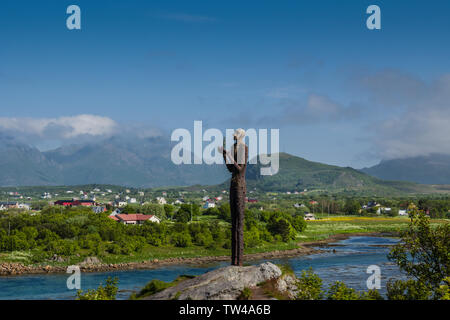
[{"x": 303, "y": 248}]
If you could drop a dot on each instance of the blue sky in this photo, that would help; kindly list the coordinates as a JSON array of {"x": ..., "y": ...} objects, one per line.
[{"x": 338, "y": 92}]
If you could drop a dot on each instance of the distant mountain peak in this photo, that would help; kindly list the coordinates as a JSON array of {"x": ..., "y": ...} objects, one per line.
[{"x": 429, "y": 169}]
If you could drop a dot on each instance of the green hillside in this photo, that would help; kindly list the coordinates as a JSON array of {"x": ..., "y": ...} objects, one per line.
[{"x": 297, "y": 174}]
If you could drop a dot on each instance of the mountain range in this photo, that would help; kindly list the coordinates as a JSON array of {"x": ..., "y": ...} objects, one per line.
[
  {"x": 145, "y": 163},
  {"x": 431, "y": 169},
  {"x": 133, "y": 162}
]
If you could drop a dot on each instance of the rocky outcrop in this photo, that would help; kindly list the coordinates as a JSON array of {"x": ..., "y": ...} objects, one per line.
[
  {"x": 221, "y": 284},
  {"x": 90, "y": 261},
  {"x": 287, "y": 284}
]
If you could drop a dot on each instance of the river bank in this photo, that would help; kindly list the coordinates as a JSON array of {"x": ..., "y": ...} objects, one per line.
[{"x": 305, "y": 248}]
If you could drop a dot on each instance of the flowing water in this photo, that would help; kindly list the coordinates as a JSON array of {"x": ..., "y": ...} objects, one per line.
[{"x": 348, "y": 263}]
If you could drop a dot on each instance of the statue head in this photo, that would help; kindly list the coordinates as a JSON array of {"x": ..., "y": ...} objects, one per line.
[{"x": 239, "y": 135}]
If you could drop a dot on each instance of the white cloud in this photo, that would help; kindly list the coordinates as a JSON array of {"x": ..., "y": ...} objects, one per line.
[
  {"x": 59, "y": 128},
  {"x": 316, "y": 108},
  {"x": 423, "y": 125}
]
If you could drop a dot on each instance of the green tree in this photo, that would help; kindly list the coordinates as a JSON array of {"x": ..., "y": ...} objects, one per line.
[
  {"x": 352, "y": 206},
  {"x": 225, "y": 212},
  {"x": 169, "y": 210},
  {"x": 281, "y": 227},
  {"x": 182, "y": 216},
  {"x": 423, "y": 254}
]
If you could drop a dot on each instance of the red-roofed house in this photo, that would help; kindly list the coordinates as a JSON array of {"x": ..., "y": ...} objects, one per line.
[
  {"x": 134, "y": 218},
  {"x": 74, "y": 203}
]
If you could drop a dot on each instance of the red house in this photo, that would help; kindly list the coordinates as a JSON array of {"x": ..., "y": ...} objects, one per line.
[{"x": 74, "y": 203}]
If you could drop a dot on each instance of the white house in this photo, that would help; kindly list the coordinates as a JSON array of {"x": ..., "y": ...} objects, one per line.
[
  {"x": 209, "y": 204},
  {"x": 309, "y": 216},
  {"x": 154, "y": 219},
  {"x": 25, "y": 206},
  {"x": 402, "y": 212},
  {"x": 116, "y": 212},
  {"x": 121, "y": 204},
  {"x": 161, "y": 200},
  {"x": 132, "y": 200}
]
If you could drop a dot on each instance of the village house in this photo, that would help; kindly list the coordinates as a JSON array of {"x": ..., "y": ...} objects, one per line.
[
  {"x": 120, "y": 204},
  {"x": 75, "y": 203},
  {"x": 309, "y": 216},
  {"x": 98, "y": 209},
  {"x": 115, "y": 212},
  {"x": 25, "y": 206},
  {"x": 9, "y": 205},
  {"x": 46, "y": 195},
  {"x": 14, "y": 205},
  {"x": 179, "y": 201},
  {"x": 134, "y": 218},
  {"x": 161, "y": 200},
  {"x": 209, "y": 204}
]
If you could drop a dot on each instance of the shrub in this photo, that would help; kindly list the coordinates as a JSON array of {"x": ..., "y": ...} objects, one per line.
[
  {"x": 339, "y": 291},
  {"x": 246, "y": 294},
  {"x": 181, "y": 239},
  {"x": 108, "y": 292},
  {"x": 309, "y": 286}
]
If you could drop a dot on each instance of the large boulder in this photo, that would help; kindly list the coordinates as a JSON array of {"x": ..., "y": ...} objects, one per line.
[{"x": 221, "y": 284}]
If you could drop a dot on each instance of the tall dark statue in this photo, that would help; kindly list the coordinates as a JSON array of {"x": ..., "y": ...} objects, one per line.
[{"x": 236, "y": 162}]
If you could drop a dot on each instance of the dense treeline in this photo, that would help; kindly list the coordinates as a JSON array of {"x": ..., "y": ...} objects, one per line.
[
  {"x": 70, "y": 231},
  {"x": 436, "y": 207}
]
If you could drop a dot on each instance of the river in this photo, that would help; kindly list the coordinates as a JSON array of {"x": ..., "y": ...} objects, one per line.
[{"x": 348, "y": 263}]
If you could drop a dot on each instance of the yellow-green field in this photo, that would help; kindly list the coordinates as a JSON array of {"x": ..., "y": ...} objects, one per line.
[{"x": 324, "y": 228}]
